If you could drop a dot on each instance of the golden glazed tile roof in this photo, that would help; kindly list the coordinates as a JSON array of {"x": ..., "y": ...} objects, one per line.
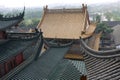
[
  {"x": 67, "y": 25},
  {"x": 63, "y": 23}
]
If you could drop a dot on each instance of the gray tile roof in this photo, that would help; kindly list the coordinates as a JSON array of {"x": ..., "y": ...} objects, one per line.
[
  {"x": 70, "y": 73},
  {"x": 41, "y": 68},
  {"x": 12, "y": 47},
  {"x": 102, "y": 69},
  {"x": 112, "y": 23},
  {"x": 9, "y": 21},
  {"x": 7, "y": 24},
  {"x": 68, "y": 70},
  {"x": 52, "y": 66},
  {"x": 116, "y": 34}
]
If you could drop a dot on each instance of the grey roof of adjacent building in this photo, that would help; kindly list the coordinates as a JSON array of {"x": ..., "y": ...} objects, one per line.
[
  {"x": 102, "y": 69},
  {"x": 52, "y": 66},
  {"x": 112, "y": 23},
  {"x": 116, "y": 34},
  {"x": 6, "y": 24},
  {"x": 101, "y": 66},
  {"x": 9, "y": 21},
  {"x": 68, "y": 70},
  {"x": 13, "y": 47}
]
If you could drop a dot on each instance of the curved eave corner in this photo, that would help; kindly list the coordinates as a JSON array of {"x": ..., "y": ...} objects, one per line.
[
  {"x": 11, "y": 25},
  {"x": 89, "y": 31}
]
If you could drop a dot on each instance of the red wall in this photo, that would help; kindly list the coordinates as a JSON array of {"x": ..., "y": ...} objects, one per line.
[
  {"x": 2, "y": 35},
  {"x": 10, "y": 64},
  {"x": 19, "y": 59}
]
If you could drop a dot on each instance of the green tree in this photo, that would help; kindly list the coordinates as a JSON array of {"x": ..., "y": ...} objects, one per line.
[
  {"x": 105, "y": 29},
  {"x": 98, "y": 18},
  {"x": 108, "y": 16},
  {"x": 30, "y": 22}
]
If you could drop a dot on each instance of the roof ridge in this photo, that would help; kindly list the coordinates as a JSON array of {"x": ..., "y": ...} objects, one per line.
[{"x": 64, "y": 10}]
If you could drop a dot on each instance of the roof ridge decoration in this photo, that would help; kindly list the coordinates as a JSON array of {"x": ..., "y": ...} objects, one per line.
[
  {"x": 8, "y": 18},
  {"x": 62, "y": 10}
]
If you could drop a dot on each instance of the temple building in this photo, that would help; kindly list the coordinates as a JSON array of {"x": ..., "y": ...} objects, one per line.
[
  {"x": 66, "y": 23},
  {"x": 67, "y": 50},
  {"x": 7, "y": 22},
  {"x": 15, "y": 48},
  {"x": 62, "y": 29}
]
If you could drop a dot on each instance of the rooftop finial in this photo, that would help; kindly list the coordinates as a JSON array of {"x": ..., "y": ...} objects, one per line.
[
  {"x": 83, "y": 5},
  {"x": 24, "y": 10},
  {"x": 86, "y": 6},
  {"x": 45, "y": 8}
]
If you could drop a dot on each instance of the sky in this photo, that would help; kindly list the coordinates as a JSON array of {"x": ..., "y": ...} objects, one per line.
[{"x": 40, "y": 3}]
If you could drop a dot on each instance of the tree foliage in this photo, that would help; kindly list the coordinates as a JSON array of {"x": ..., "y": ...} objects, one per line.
[
  {"x": 30, "y": 22},
  {"x": 32, "y": 17},
  {"x": 98, "y": 18},
  {"x": 108, "y": 16},
  {"x": 104, "y": 28}
]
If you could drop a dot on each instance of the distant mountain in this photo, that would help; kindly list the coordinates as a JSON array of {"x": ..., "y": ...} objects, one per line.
[{"x": 36, "y": 12}]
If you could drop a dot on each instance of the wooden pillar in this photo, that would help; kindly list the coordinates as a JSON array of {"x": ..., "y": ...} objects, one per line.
[
  {"x": 3, "y": 35},
  {"x": 83, "y": 77}
]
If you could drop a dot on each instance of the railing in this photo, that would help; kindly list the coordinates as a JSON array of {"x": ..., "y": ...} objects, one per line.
[
  {"x": 16, "y": 36},
  {"x": 99, "y": 54}
]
